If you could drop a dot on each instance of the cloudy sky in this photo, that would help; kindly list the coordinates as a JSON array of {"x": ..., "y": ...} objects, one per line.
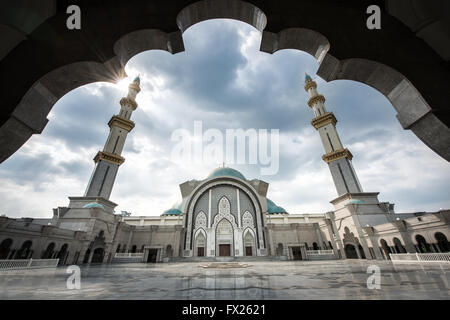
[{"x": 223, "y": 80}]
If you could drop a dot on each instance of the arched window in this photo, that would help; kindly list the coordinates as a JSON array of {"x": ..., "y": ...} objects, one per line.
[
  {"x": 200, "y": 244},
  {"x": 169, "y": 250},
  {"x": 280, "y": 249},
  {"x": 97, "y": 257},
  {"x": 398, "y": 246},
  {"x": 350, "y": 251},
  {"x": 133, "y": 249},
  {"x": 422, "y": 244},
  {"x": 443, "y": 243},
  {"x": 249, "y": 243},
  {"x": 315, "y": 246},
  {"x": 118, "y": 248},
  {"x": 361, "y": 251},
  {"x": 386, "y": 248},
  {"x": 25, "y": 251},
  {"x": 62, "y": 254},
  {"x": 48, "y": 253},
  {"x": 5, "y": 248}
]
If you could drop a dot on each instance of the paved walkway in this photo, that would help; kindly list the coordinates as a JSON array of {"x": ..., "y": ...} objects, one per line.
[{"x": 259, "y": 280}]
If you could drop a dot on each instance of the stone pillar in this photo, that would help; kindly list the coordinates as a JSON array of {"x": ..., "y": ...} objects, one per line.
[
  {"x": 209, "y": 209},
  {"x": 270, "y": 240}
]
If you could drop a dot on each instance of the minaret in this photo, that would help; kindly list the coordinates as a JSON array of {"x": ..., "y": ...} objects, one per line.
[
  {"x": 108, "y": 161},
  {"x": 339, "y": 159}
]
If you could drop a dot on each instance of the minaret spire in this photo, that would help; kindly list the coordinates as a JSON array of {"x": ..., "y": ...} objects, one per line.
[
  {"x": 338, "y": 158},
  {"x": 109, "y": 160}
]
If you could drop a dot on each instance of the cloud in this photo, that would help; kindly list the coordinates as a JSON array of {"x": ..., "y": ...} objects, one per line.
[{"x": 223, "y": 80}]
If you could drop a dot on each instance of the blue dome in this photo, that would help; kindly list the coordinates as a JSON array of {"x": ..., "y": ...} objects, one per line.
[
  {"x": 171, "y": 212},
  {"x": 220, "y": 172},
  {"x": 355, "y": 201},
  {"x": 307, "y": 77},
  {"x": 273, "y": 208},
  {"x": 94, "y": 205},
  {"x": 137, "y": 79}
]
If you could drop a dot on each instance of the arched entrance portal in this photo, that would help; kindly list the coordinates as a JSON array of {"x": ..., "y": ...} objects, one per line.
[
  {"x": 386, "y": 249},
  {"x": 442, "y": 242},
  {"x": 249, "y": 243},
  {"x": 62, "y": 254},
  {"x": 5, "y": 247},
  {"x": 200, "y": 244},
  {"x": 422, "y": 244},
  {"x": 224, "y": 238},
  {"x": 398, "y": 246},
  {"x": 97, "y": 257},
  {"x": 350, "y": 251},
  {"x": 25, "y": 251},
  {"x": 48, "y": 253}
]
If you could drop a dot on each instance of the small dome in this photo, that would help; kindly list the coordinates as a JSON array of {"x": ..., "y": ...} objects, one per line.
[
  {"x": 307, "y": 77},
  {"x": 93, "y": 205},
  {"x": 137, "y": 79},
  {"x": 227, "y": 172},
  {"x": 273, "y": 208},
  {"x": 354, "y": 201},
  {"x": 172, "y": 212}
]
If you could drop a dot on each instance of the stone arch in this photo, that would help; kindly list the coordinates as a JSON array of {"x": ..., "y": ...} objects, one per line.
[
  {"x": 350, "y": 251},
  {"x": 249, "y": 244},
  {"x": 302, "y": 39},
  {"x": 244, "y": 186},
  {"x": 221, "y": 225},
  {"x": 25, "y": 251},
  {"x": 386, "y": 249},
  {"x": 98, "y": 255},
  {"x": 422, "y": 245},
  {"x": 442, "y": 242},
  {"x": 142, "y": 40},
  {"x": 5, "y": 248},
  {"x": 279, "y": 249},
  {"x": 200, "y": 241},
  {"x": 62, "y": 254},
  {"x": 48, "y": 253},
  {"x": 169, "y": 251},
  {"x": 228, "y": 9},
  {"x": 399, "y": 247},
  {"x": 413, "y": 112}
]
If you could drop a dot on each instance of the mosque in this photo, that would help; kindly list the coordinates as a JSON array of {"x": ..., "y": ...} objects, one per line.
[{"x": 224, "y": 215}]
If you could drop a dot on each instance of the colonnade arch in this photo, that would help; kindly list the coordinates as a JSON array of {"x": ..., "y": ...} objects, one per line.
[{"x": 29, "y": 104}]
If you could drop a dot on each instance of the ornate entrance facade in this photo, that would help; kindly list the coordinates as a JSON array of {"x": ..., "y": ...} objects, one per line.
[{"x": 224, "y": 217}]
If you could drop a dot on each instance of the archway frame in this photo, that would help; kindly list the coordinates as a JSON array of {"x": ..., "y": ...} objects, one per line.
[
  {"x": 188, "y": 207},
  {"x": 414, "y": 113}
]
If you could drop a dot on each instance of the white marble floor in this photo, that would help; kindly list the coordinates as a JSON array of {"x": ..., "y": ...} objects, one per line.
[{"x": 344, "y": 279}]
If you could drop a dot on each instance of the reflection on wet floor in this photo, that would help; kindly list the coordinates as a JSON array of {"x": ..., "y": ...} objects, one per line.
[{"x": 260, "y": 280}]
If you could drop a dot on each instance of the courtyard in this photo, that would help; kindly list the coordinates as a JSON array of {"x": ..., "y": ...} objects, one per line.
[{"x": 255, "y": 280}]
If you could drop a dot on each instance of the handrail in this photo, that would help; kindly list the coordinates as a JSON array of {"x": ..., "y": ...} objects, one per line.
[
  {"x": 420, "y": 257},
  {"x": 28, "y": 264}
]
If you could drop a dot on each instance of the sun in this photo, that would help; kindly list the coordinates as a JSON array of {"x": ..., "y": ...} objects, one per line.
[{"x": 122, "y": 84}]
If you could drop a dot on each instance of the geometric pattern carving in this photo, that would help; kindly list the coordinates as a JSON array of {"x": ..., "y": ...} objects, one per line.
[
  {"x": 247, "y": 220},
  {"x": 200, "y": 220},
  {"x": 224, "y": 206}
]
